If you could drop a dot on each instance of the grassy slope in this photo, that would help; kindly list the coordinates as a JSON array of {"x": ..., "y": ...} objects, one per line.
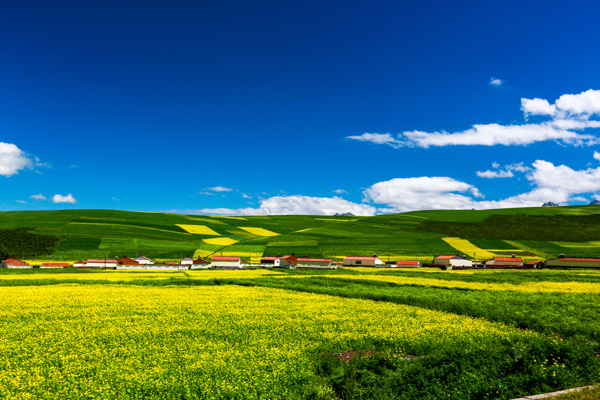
[{"x": 531, "y": 233}]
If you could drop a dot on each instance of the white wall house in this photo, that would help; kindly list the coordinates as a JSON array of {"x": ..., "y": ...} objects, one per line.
[
  {"x": 362, "y": 261},
  {"x": 142, "y": 260},
  {"x": 101, "y": 263},
  {"x": 225, "y": 262},
  {"x": 187, "y": 261},
  {"x": 453, "y": 260}
]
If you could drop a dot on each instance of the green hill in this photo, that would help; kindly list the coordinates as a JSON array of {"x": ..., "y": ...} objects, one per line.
[{"x": 532, "y": 233}]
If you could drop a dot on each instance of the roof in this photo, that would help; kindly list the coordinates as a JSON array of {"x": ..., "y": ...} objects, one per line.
[
  {"x": 315, "y": 259},
  {"x": 56, "y": 264},
  {"x": 220, "y": 258},
  {"x": 516, "y": 259},
  {"x": 270, "y": 258},
  {"x": 142, "y": 258},
  {"x": 79, "y": 262},
  {"x": 187, "y": 259},
  {"x": 534, "y": 262},
  {"x": 97, "y": 260},
  {"x": 446, "y": 257},
  {"x": 579, "y": 259},
  {"x": 171, "y": 263},
  {"x": 14, "y": 261},
  {"x": 360, "y": 258},
  {"x": 408, "y": 263}
]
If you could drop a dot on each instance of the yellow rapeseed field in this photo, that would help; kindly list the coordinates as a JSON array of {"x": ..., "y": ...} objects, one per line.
[
  {"x": 468, "y": 248},
  {"x": 224, "y": 241},
  {"x": 211, "y": 342},
  {"x": 258, "y": 231},
  {"x": 198, "y": 229}
]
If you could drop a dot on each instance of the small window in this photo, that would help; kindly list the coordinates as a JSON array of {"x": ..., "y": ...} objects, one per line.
[{"x": 359, "y": 261}]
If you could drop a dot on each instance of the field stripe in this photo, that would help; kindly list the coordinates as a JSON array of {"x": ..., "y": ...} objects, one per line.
[{"x": 468, "y": 248}]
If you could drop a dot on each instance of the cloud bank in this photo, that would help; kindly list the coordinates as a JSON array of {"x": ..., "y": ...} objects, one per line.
[
  {"x": 569, "y": 116},
  {"x": 13, "y": 159},
  {"x": 58, "y": 198}
]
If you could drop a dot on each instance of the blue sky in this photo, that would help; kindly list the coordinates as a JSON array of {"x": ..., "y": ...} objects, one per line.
[{"x": 315, "y": 107}]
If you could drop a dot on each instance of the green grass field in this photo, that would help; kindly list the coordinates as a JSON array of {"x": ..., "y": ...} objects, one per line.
[
  {"x": 532, "y": 233},
  {"x": 359, "y": 333}
]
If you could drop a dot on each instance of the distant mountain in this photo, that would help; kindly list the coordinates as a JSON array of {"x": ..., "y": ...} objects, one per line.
[
  {"x": 348, "y": 214},
  {"x": 595, "y": 203},
  {"x": 549, "y": 204}
]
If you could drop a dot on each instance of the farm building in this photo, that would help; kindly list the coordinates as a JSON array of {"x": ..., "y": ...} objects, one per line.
[
  {"x": 574, "y": 262},
  {"x": 14, "y": 263},
  {"x": 55, "y": 265},
  {"x": 453, "y": 260},
  {"x": 225, "y": 262},
  {"x": 142, "y": 260},
  {"x": 126, "y": 261},
  {"x": 79, "y": 264},
  {"x": 187, "y": 261},
  {"x": 504, "y": 262},
  {"x": 289, "y": 261},
  {"x": 317, "y": 263},
  {"x": 270, "y": 260},
  {"x": 101, "y": 263},
  {"x": 362, "y": 261},
  {"x": 408, "y": 264},
  {"x": 200, "y": 263}
]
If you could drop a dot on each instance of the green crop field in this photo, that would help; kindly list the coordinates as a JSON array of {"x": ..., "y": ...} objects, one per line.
[
  {"x": 359, "y": 333},
  {"x": 532, "y": 233}
]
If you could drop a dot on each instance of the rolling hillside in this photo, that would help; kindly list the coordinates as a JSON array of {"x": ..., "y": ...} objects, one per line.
[{"x": 532, "y": 233}]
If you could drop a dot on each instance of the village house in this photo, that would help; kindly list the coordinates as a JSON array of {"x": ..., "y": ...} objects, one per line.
[
  {"x": 573, "y": 262},
  {"x": 55, "y": 265},
  {"x": 504, "y": 262},
  {"x": 101, "y": 263},
  {"x": 187, "y": 261},
  {"x": 408, "y": 264},
  {"x": 200, "y": 263},
  {"x": 143, "y": 260},
  {"x": 225, "y": 262},
  {"x": 274, "y": 261},
  {"x": 362, "y": 261},
  {"x": 79, "y": 264},
  {"x": 126, "y": 261},
  {"x": 289, "y": 261},
  {"x": 453, "y": 260},
  {"x": 315, "y": 263},
  {"x": 14, "y": 263}
]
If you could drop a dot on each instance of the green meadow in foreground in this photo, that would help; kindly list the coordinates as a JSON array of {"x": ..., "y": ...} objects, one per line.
[
  {"x": 344, "y": 334},
  {"x": 531, "y": 233}
]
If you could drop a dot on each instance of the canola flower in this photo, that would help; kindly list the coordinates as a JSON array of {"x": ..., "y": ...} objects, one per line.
[
  {"x": 211, "y": 342},
  {"x": 198, "y": 229},
  {"x": 258, "y": 231}
]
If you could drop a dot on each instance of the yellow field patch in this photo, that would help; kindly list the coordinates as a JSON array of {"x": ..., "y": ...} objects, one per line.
[
  {"x": 202, "y": 253},
  {"x": 220, "y": 216},
  {"x": 224, "y": 241},
  {"x": 468, "y": 248},
  {"x": 577, "y": 244},
  {"x": 303, "y": 230},
  {"x": 198, "y": 229},
  {"x": 208, "y": 220},
  {"x": 258, "y": 231}
]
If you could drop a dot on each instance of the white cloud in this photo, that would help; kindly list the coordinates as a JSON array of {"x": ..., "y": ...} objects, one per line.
[
  {"x": 340, "y": 191},
  {"x": 244, "y": 195},
  {"x": 58, "y": 198},
  {"x": 422, "y": 193},
  {"x": 495, "y": 174},
  {"x": 219, "y": 189},
  {"x": 506, "y": 173},
  {"x": 21, "y": 201},
  {"x": 297, "y": 205},
  {"x": 495, "y": 82},
  {"x": 569, "y": 116},
  {"x": 38, "y": 197},
  {"x": 597, "y": 155},
  {"x": 12, "y": 159}
]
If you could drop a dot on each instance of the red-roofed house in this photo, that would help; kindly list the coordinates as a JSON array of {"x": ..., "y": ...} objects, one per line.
[
  {"x": 362, "y": 261},
  {"x": 269, "y": 260},
  {"x": 453, "y": 260},
  {"x": 55, "y": 265},
  {"x": 200, "y": 263},
  {"x": 14, "y": 263},
  {"x": 225, "y": 262},
  {"x": 289, "y": 261},
  {"x": 317, "y": 263},
  {"x": 79, "y": 264},
  {"x": 408, "y": 264},
  {"x": 504, "y": 262},
  {"x": 574, "y": 262},
  {"x": 126, "y": 261}
]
